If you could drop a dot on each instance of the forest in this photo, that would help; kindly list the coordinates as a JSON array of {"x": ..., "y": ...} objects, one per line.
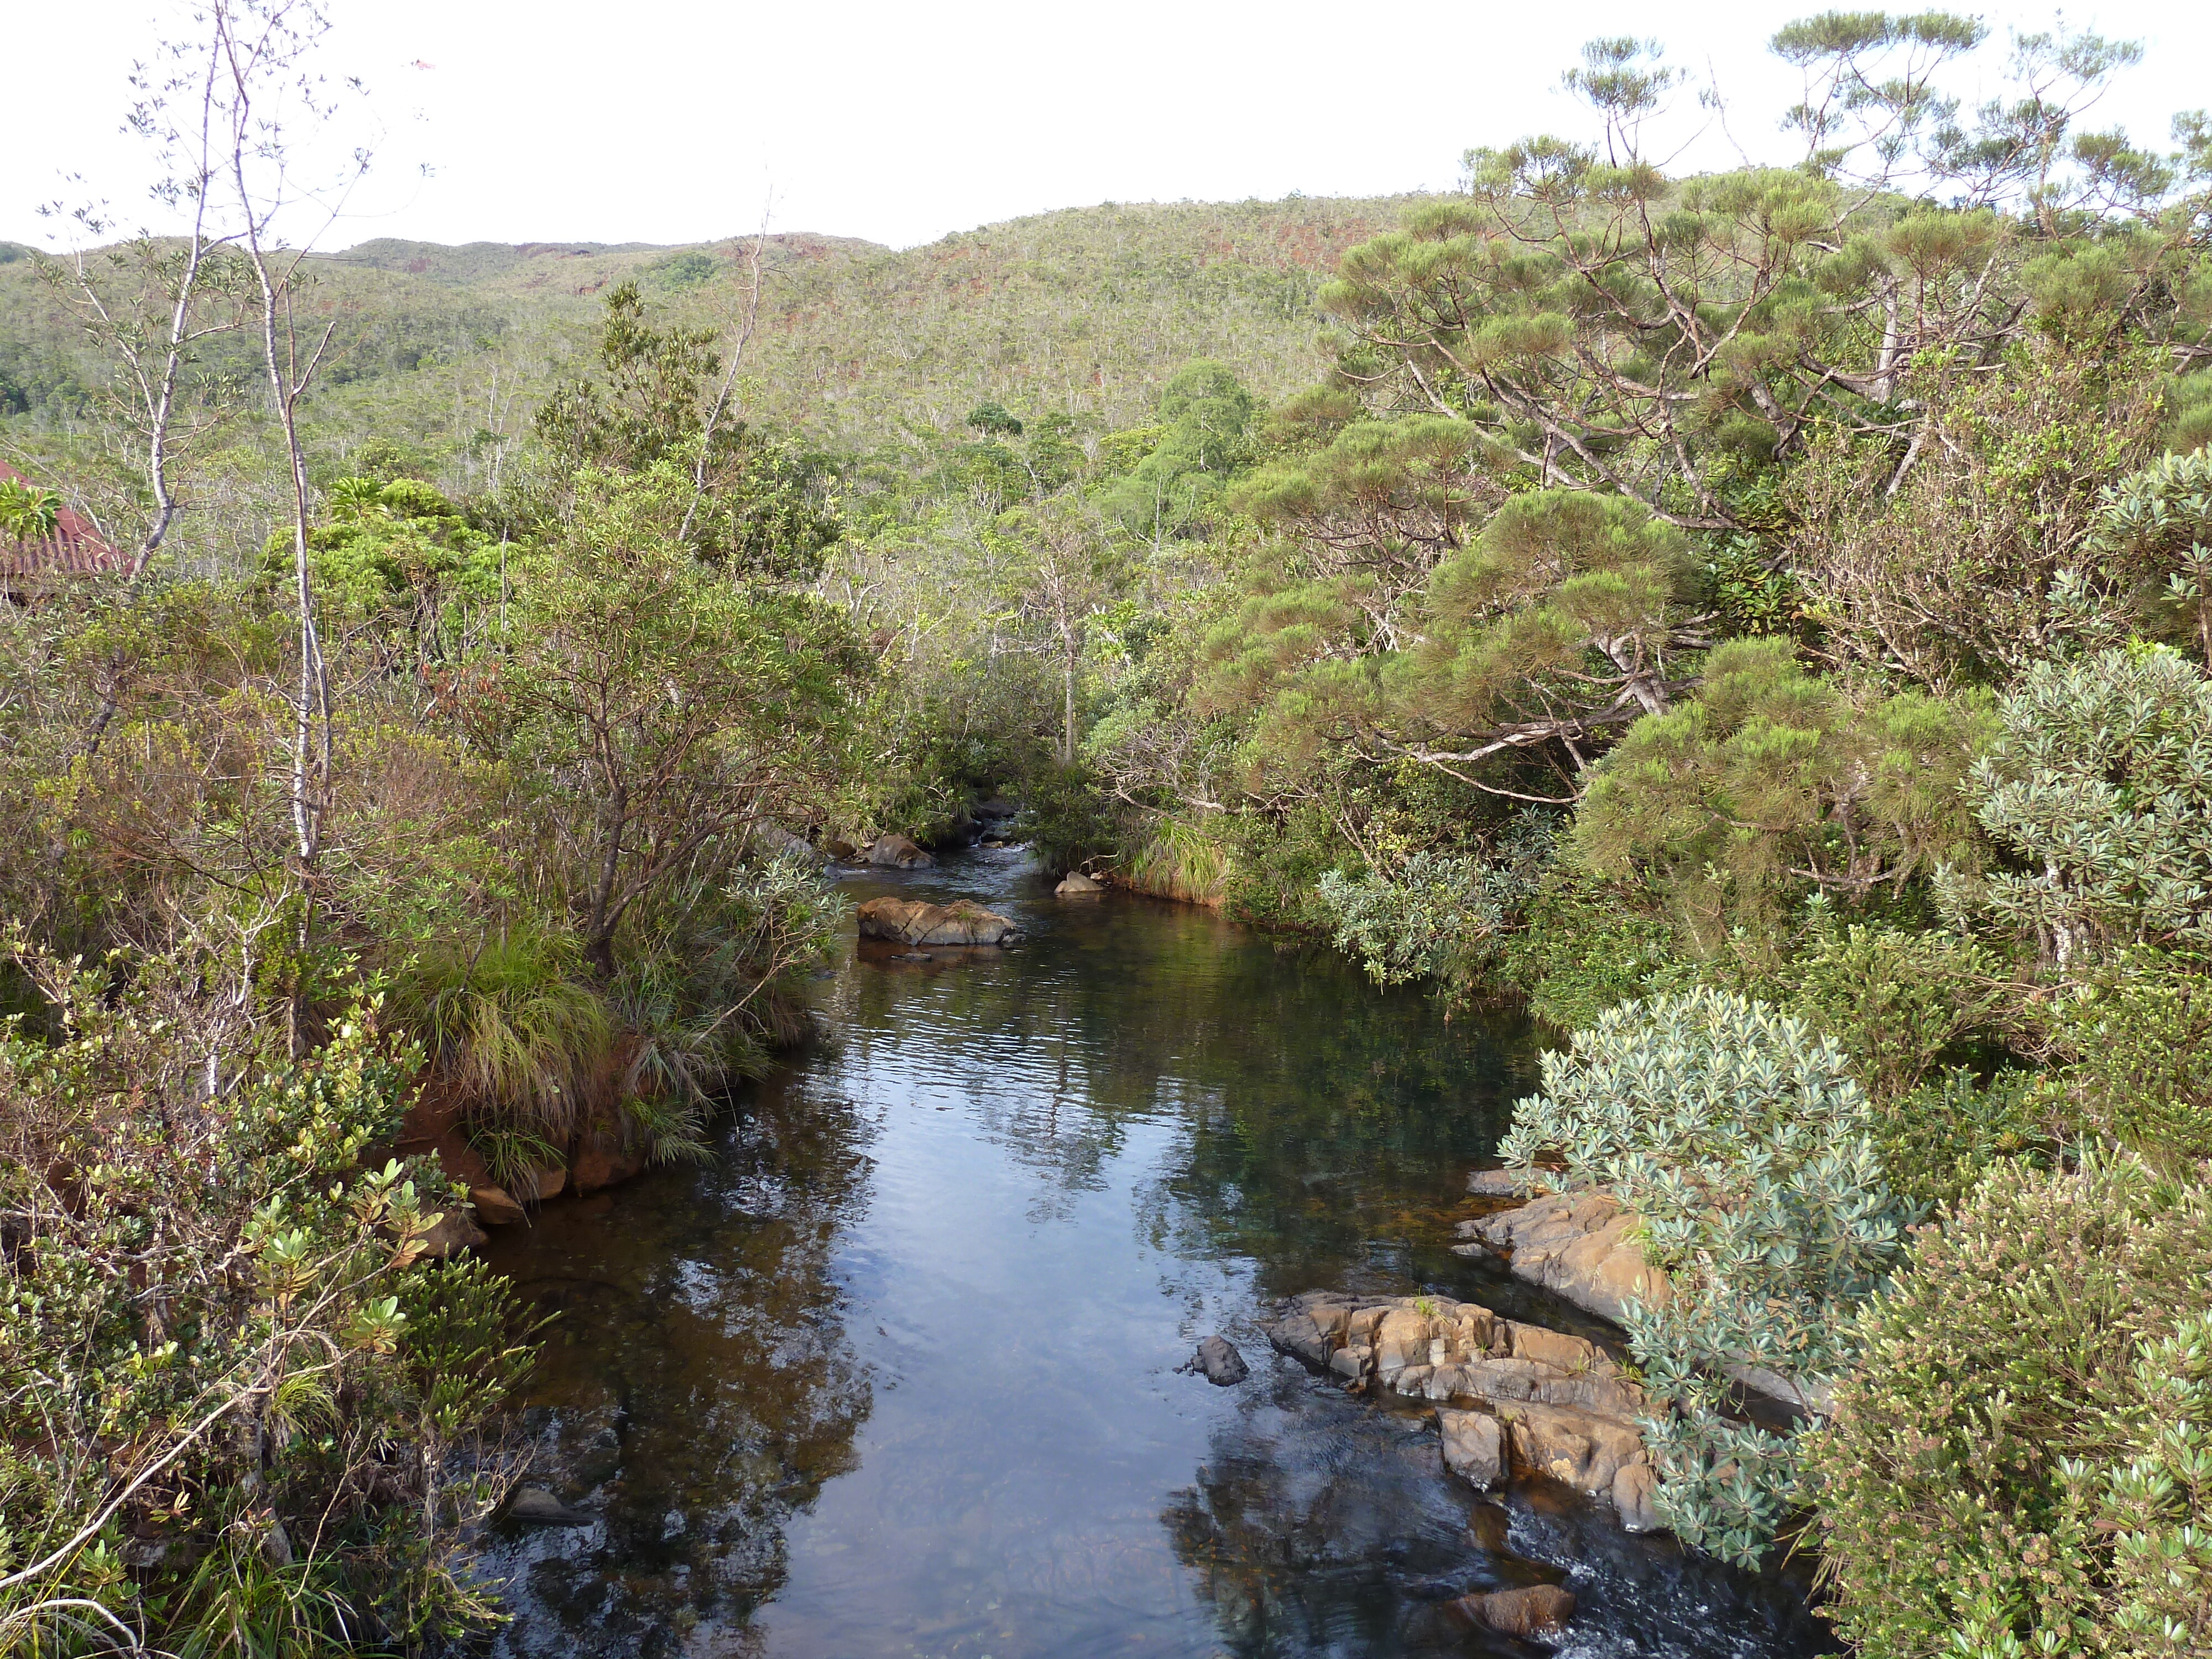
[{"x": 1759, "y": 624}]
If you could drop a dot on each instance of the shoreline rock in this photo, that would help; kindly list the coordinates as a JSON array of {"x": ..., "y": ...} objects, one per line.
[
  {"x": 1577, "y": 1246},
  {"x": 1075, "y": 884},
  {"x": 1512, "y": 1397}
]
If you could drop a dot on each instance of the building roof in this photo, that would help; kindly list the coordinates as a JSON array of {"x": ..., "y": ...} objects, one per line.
[{"x": 75, "y": 546}]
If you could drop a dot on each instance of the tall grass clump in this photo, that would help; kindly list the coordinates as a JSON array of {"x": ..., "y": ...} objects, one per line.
[
  {"x": 510, "y": 1028},
  {"x": 1179, "y": 860}
]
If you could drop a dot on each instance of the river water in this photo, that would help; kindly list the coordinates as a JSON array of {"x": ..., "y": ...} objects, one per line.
[{"x": 896, "y": 1374}]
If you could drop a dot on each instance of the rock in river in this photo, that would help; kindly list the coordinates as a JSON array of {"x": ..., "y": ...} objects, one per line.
[
  {"x": 1533, "y": 1610},
  {"x": 541, "y": 1508},
  {"x": 898, "y": 853},
  {"x": 1220, "y": 1363},
  {"x": 1075, "y": 884},
  {"x": 1555, "y": 1405},
  {"x": 910, "y": 921}
]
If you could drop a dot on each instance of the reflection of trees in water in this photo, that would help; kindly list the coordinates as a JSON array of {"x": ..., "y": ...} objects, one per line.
[
  {"x": 1313, "y": 1112},
  {"x": 703, "y": 1390},
  {"x": 1318, "y": 1524}
]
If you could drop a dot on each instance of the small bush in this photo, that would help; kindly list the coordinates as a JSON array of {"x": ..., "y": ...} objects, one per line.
[
  {"x": 2017, "y": 1463},
  {"x": 1745, "y": 1148},
  {"x": 234, "y": 1391}
]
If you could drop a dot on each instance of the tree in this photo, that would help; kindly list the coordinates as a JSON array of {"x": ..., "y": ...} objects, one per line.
[
  {"x": 1772, "y": 781},
  {"x": 670, "y": 705},
  {"x": 757, "y": 504}
]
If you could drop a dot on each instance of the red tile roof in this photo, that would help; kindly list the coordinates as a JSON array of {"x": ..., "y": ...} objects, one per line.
[{"x": 75, "y": 546}]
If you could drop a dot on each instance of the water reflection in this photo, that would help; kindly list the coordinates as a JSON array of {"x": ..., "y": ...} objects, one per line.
[
  {"x": 898, "y": 1374},
  {"x": 697, "y": 1388}
]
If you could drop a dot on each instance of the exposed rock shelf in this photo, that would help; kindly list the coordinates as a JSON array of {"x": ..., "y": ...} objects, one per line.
[{"x": 1513, "y": 1398}]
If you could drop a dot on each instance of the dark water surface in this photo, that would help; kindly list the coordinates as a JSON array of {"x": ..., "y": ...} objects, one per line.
[{"x": 896, "y": 1375}]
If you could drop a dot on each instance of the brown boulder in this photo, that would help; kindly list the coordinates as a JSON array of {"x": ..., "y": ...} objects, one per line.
[
  {"x": 548, "y": 1182},
  {"x": 1534, "y": 1610},
  {"x": 1075, "y": 884},
  {"x": 1575, "y": 1245},
  {"x": 604, "y": 1153},
  {"x": 456, "y": 1231},
  {"x": 495, "y": 1207},
  {"x": 898, "y": 853},
  {"x": 910, "y": 921}
]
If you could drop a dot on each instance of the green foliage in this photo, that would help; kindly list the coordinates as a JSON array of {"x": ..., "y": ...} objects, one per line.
[
  {"x": 1204, "y": 443},
  {"x": 2154, "y": 532},
  {"x": 505, "y": 1022},
  {"x": 1436, "y": 916},
  {"x": 1746, "y": 1151},
  {"x": 671, "y": 704},
  {"x": 2137, "y": 1035},
  {"x": 1772, "y": 781},
  {"x": 1964, "y": 556},
  {"x": 392, "y": 547},
  {"x": 26, "y": 513},
  {"x": 755, "y": 502},
  {"x": 1064, "y": 823},
  {"x": 2017, "y": 1467},
  {"x": 2098, "y": 787},
  {"x": 1901, "y": 1002},
  {"x": 1586, "y": 945},
  {"x": 228, "y": 1422}
]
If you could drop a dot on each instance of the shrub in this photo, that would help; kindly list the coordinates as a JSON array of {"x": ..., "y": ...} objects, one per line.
[
  {"x": 1744, "y": 1147},
  {"x": 1180, "y": 860},
  {"x": 2137, "y": 1035},
  {"x": 2018, "y": 1464},
  {"x": 1587, "y": 945},
  {"x": 510, "y": 1026},
  {"x": 1437, "y": 917},
  {"x": 2099, "y": 784},
  {"x": 233, "y": 1388}
]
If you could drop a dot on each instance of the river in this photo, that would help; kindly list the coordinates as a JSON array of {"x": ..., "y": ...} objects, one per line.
[{"x": 896, "y": 1373}]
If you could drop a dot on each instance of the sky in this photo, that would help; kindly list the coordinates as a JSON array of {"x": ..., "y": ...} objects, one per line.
[{"x": 671, "y": 121}]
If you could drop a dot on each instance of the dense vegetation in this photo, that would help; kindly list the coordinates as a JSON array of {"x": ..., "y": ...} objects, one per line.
[{"x": 1762, "y": 621}]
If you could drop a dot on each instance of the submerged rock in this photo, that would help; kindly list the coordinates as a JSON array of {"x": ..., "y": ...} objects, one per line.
[
  {"x": 1533, "y": 1610},
  {"x": 1496, "y": 1183},
  {"x": 898, "y": 853},
  {"x": 910, "y": 921},
  {"x": 541, "y": 1508},
  {"x": 1220, "y": 1363},
  {"x": 1516, "y": 1398}
]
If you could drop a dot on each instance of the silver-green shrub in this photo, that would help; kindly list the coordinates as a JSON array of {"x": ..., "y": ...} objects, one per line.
[
  {"x": 2099, "y": 785},
  {"x": 1738, "y": 1137}
]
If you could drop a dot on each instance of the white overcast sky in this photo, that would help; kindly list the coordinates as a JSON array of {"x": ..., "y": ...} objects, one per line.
[{"x": 676, "y": 121}]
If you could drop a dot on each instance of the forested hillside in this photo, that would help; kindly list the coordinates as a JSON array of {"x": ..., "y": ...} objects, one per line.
[{"x": 1760, "y": 624}]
